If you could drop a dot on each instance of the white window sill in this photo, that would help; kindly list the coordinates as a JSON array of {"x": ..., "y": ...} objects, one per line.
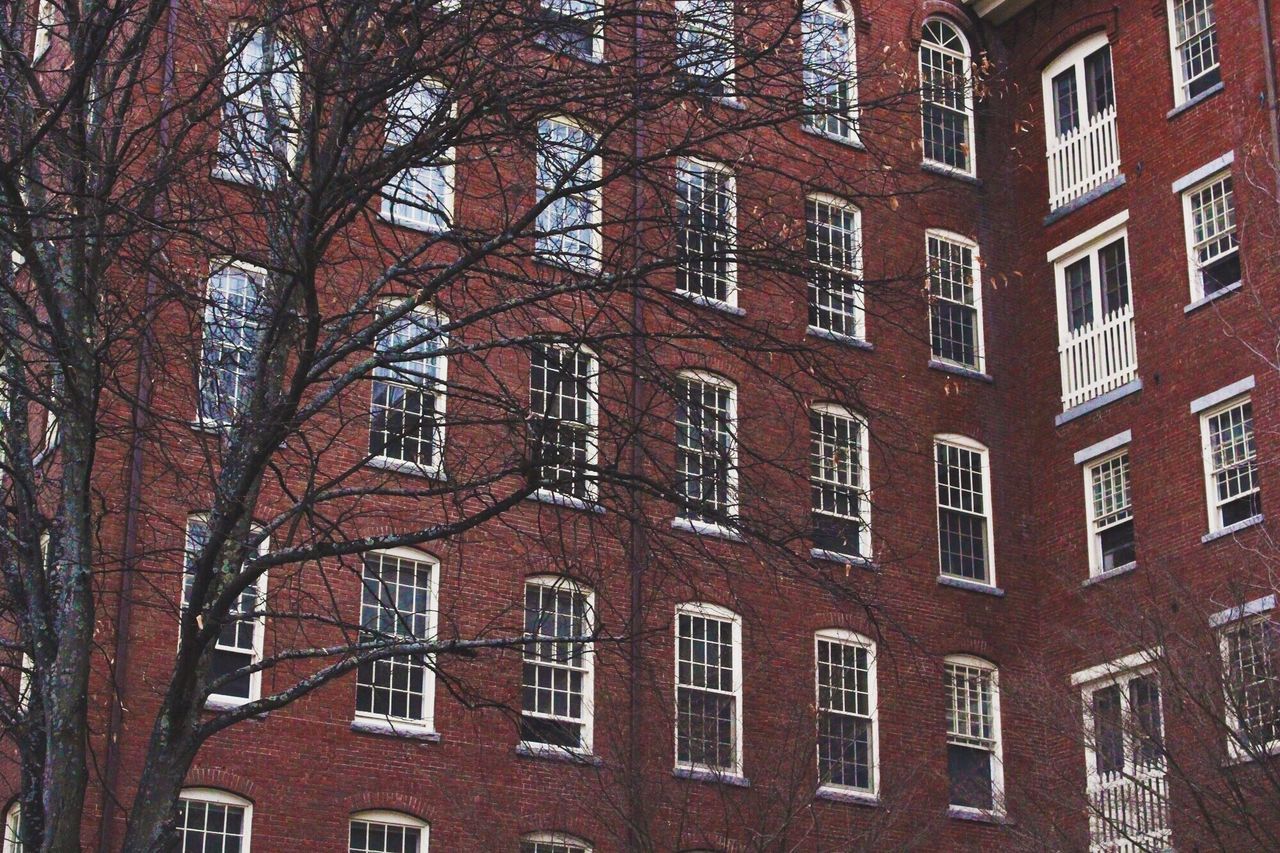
[
  {"x": 856, "y": 560},
  {"x": 839, "y": 337},
  {"x": 1233, "y": 528},
  {"x": 977, "y": 815},
  {"x": 548, "y": 496},
  {"x": 705, "y": 528},
  {"x": 235, "y": 176},
  {"x": 404, "y": 466},
  {"x": 847, "y": 795},
  {"x": 950, "y": 172},
  {"x": 207, "y": 425},
  {"x": 1236, "y": 754},
  {"x": 1212, "y": 297},
  {"x": 395, "y": 728},
  {"x": 959, "y": 370},
  {"x": 971, "y": 586},
  {"x": 414, "y": 225},
  {"x": 1110, "y": 573},
  {"x": 1191, "y": 102},
  {"x": 558, "y": 753},
  {"x": 705, "y": 774},
  {"x": 852, "y": 141},
  {"x": 227, "y": 703},
  {"x": 709, "y": 302}
]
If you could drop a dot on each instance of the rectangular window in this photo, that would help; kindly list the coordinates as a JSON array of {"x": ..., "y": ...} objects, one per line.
[
  {"x": 239, "y": 643},
  {"x": 839, "y": 482},
  {"x": 1213, "y": 247},
  {"x": 964, "y": 519},
  {"x": 210, "y": 820},
  {"x": 569, "y": 226},
  {"x": 552, "y": 842},
  {"x": 421, "y": 195},
  {"x": 564, "y": 418},
  {"x": 708, "y": 689},
  {"x": 706, "y": 448},
  {"x": 386, "y": 832},
  {"x": 1251, "y": 652},
  {"x": 833, "y": 239},
  {"x": 830, "y": 79},
  {"x": 946, "y": 95},
  {"x": 233, "y": 319},
  {"x": 556, "y": 688},
  {"x": 573, "y": 26},
  {"x": 955, "y": 304},
  {"x": 846, "y": 711},
  {"x": 973, "y": 735},
  {"x": 397, "y": 606},
  {"x": 1079, "y": 101},
  {"x": 259, "y": 132},
  {"x": 706, "y": 266},
  {"x": 1231, "y": 464},
  {"x": 704, "y": 45},
  {"x": 1195, "y": 48},
  {"x": 408, "y": 393},
  {"x": 1110, "y": 512}
]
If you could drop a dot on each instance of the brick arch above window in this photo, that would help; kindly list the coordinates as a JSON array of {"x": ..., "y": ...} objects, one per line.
[
  {"x": 221, "y": 779},
  {"x": 383, "y": 801}
]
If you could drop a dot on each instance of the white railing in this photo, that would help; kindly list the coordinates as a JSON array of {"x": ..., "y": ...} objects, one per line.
[
  {"x": 1098, "y": 358},
  {"x": 1129, "y": 813},
  {"x": 1085, "y": 158}
]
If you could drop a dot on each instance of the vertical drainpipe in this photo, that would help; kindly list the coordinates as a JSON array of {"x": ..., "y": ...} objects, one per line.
[
  {"x": 132, "y": 495},
  {"x": 1269, "y": 64}
]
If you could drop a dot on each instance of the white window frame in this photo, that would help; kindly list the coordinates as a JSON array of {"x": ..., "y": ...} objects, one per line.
[
  {"x": 591, "y": 13},
  {"x": 968, "y": 444},
  {"x": 965, "y": 55},
  {"x": 997, "y": 738},
  {"x": 386, "y": 817},
  {"x": 217, "y": 796},
  {"x": 427, "y": 722},
  {"x": 263, "y": 172},
  {"x": 703, "y": 610},
  {"x": 708, "y": 21},
  {"x": 1090, "y": 245},
  {"x": 844, "y": 637},
  {"x": 223, "y": 700},
  {"x": 392, "y": 202},
  {"x": 588, "y": 170},
  {"x": 855, "y": 321},
  {"x": 1181, "y": 83},
  {"x": 1090, "y": 470},
  {"x": 1092, "y": 147},
  {"x": 863, "y": 486},
  {"x": 1073, "y": 57},
  {"x": 439, "y": 394},
  {"x": 1196, "y": 269},
  {"x": 571, "y": 843},
  {"x": 13, "y": 828},
  {"x": 1262, "y": 610},
  {"x": 46, "y": 18},
  {"x": 699, "y": 165},
  {"x": 975, "y": 272},
  {"x": 255, "y": 274},
  {"x": 834, "y": 14},
  {"x": 587, "y": 668},
  {"x": 1212, "y": 503},
  {"x": 592, "y": 429},
  {"x": 732, "y": 504}
]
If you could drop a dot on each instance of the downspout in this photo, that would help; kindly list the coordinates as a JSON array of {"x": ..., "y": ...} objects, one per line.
[
  {"x": 1269, "y": 64},
  {"x": 132, "y": 495}
]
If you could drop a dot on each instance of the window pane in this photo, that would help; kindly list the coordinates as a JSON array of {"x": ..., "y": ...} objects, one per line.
[
  {"x": 705, "y": 452},
  {"x": 379, "y": 837},
  {"x": 557, "y": 622},
  {"x": 953, "y": 308},
  {"x": 833, "y": 247},
  {"x": 705, "y": 231},
  {"x": 567, "y": 227},
  {"x": 944, "y": 94},
  {"x": 407, "y": 392},
  {"x": 844, "y": 715},
  {"x": 395, "y": 608},
  {"x": 838, "y": 482},
  {"x": 829, "y": 70},
  {"x": 962, "y": 522},
  {"x": 563, "y": 419},
  {"x": 706, "y": 693}
]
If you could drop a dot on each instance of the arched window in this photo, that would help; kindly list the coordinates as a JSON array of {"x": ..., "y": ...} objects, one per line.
[
  {"x": 211, "y": 819},
  {"x": 973, "y": 735},
  {"x": 381, "y": 831},
  {"x": 830, "y": 69},
  {"x": 946, "y": 94},
  {"x": 553, "y": 842}
]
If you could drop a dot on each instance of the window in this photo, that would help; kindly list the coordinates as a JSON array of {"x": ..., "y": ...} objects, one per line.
[
  {"x": 946, "y": 94},
  {"x": 1080, "y": 120},
  {"x": 1124, "y": 754},
  {"x": 1251, "y": 653},
  {"x": 839, "y": 482},
  {"x": 706, "y": 212},
  {"x": 569, "y": 227},
  {"x": 397, "y": 605},
  {"x": 833, "y": 238},
  {"x": 830, "y": 69},
  {"x": 1110, "y": 513},
  {"x": 557, "y": 685},
  {"x": 1194, "y": 37},
  {"x": 704, "y": 45},
  {"x": 964, "y": 516},
  {"x": 846, "y": 711},
  {"x": 46, "y": 16},
  {"x": 708, "y": 689},
  {"x": 239, "y": 642},
  {"x": 564, "y": 417},
  {"x": 260, "y": 108},
  {"x": 973, "y": 735},
  {"x": 1231, "y": 465},
  {"x": 387, "y": 832},
  {"x": 955, "y": 303},
  {"x": 706, "y": 447},
  {"x": 406, "y": 424},
  {"x": 573, "y": 26},
  {"x": 553, "y": 842},
  {"x": 421, "y": 195},
  {"x": 233, "y": 320},
  {"x": 212, "y": 821},
  {"x": 13, "y": 829},
  {"x": 1213, "y": 246}
]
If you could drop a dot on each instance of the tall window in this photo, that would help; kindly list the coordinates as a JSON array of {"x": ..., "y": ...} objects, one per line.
[
  {"x": 421, "y": 195},
  {"x": 704, "y": 45},
  {"x": 553, "y": 842},
  {"x": 1194, "y": 37},
  {"x": 1213, "y": 247},
  {"x": 708, "y": 689},
  {"x": 46, "y": 18},
  {"x": 13, "y": 829},
  {"x": 706, "y": 212},
  {"x": 946, "y": 94},
  {"x": 1097, "y": 285},
  {"x": 964, "y": 512},
  {"x": 846, "y": 711},
  {"x": 569, "y": 227},
  {"x": 233, "y": 319},
  {"x": 397, "y": 605},
  {"x": 955, "y": 304},
  {"x": 573, "y": 26},
  {"x": 239, "y": 643},
  {"x": 1110, "y": 512},
  {"x": 1231, "y": 464},
  {"x": 839, "y": 482},
  {"x": 564, "y": 417},
  {"x": 1080, "y": 109},
  {"x": 706, "y": 447},
  {"x": 212, "y": 821},
  {"x": 830, "y": 69},
  {"x": 386, "y": 832},
  {"x": 1251, "y": 653},
  {"x": 556, "y": 689},
  {"x": 973, "y": 735},
  {"x": 833, "y": 238},
  {"x": 408, "y": 393},
  {"x": 260, "y": 91}
]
